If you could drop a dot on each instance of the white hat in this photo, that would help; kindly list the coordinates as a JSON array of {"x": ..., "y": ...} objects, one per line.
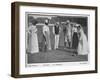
[
  {"x": 67, "y": 21},
  {"x": 57, "y": 22},
  {"x": 77, "y": 24},
  {"x": 46, "y": 21}
]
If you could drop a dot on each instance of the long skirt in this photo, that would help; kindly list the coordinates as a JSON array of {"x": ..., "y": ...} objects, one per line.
[
  {"x": 83, "y": 48},
  {"x": 75, "y": 41},
  {"x": 33, "y": 43},
  {"x": 56, "y": 41}
]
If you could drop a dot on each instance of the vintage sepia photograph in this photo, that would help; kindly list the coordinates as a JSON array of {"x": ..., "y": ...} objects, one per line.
[{"x": 54, "y": 38}]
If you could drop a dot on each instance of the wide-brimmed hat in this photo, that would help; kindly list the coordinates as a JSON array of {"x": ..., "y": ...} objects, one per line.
[
  {"x": 78, "y": 25},
  {"x": 32, "y": 20},
  {"x": 68, "y": 21}
]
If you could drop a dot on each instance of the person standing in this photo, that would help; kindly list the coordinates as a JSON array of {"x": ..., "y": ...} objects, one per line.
[
  {"x": 75, "y": 40},
  {"x": 46, "y": 36},
  {"x": 65, "y": 36},
  {"x": 56, "y": 32},
  {"x": 68, "y": 33},
  {"x": 32, "y": 38},
  {"x": 83, "y": 42}
]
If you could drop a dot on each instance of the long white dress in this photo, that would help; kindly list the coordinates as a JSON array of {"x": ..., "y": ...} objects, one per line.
[
  {"x": 33, "y": 40},
  {"x": 83, "y": 48}
]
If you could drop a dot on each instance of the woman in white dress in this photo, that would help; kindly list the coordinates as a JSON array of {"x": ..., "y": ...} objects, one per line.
[
  {"x": 33, "y": 39},
  {"x": 83, "y": 42}
]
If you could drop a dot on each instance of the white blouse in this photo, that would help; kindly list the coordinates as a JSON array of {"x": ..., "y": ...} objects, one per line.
[{"x": 45, "y": 29}]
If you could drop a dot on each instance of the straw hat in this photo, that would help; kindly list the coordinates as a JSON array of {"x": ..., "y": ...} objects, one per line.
[
  {"x": 46, "y": 21},
  {"x": 67, "y": 21}
]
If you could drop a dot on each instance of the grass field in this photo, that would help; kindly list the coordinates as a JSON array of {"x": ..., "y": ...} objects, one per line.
[{"x": 59, "y": 55}]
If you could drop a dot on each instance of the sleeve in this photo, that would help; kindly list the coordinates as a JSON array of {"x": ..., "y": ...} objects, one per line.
[
  {"x": 35, "y": 30},
  {"x": 28, "y": 29},
  {"x": 43, "y": 30},
  {"x": 53, "y": 30},
  {"x": 60, "y": 29}
]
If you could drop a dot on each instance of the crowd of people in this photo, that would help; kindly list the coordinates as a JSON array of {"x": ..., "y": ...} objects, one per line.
[{"x": 74, "y": 37}]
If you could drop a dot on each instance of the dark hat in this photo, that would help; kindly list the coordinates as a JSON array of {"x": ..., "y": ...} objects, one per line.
[{"x": 32, "y": 20}]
